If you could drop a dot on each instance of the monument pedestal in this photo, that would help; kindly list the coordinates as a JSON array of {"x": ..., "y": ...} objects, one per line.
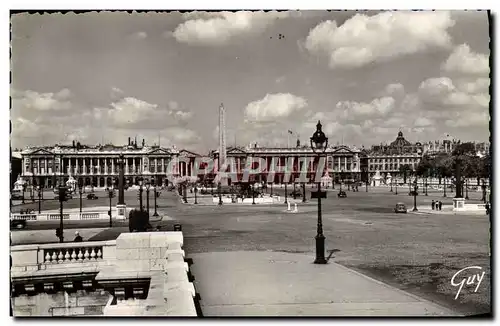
[
  {"x": 122, "y": 211},
  {"x": 458, "y": 204}
]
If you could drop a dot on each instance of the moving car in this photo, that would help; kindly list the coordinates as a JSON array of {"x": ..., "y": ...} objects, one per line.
[
  {"x": 342, "y": 194},
  {"x": 400, "y": 208},
  {"x": 92, "y": 196}
]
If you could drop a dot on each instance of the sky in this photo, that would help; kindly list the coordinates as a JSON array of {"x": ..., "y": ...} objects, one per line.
[{"x": 101, "y": 77}]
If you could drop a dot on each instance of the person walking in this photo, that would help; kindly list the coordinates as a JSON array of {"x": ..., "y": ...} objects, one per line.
[
  {"x": 433, "y": 204},
  {"x": 78, "y": 238},
  {"x": 487, "y": 206},
  {"x": 440, "y": 205}
]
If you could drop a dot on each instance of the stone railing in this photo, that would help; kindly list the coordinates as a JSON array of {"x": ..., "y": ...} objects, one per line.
[
  {"x": 144, "y": 271},
  {"x": 44, "y": 256},
  {"x": 56, "y": 216}
]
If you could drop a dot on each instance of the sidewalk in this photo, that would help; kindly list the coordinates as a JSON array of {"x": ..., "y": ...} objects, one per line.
[
  {"x": 48, "y": 236},
  {"x": 445, "y": 211},
  {"x": 248, "y": 283}
]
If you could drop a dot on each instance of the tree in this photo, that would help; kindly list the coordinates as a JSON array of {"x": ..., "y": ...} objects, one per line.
[
  {"x": 424, "y": 166},
  {"x": 444, "y": 166},
  {"x": 405, "y": 170}
]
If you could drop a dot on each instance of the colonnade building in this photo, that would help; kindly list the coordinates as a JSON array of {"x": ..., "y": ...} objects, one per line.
[{"x": 97, "y": 166}]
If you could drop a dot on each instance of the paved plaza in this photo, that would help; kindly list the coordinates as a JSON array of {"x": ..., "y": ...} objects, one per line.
[{"x": 417, "y": 253}]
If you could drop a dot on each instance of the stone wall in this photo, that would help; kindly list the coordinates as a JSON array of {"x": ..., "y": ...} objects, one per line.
[{"x": 76, "y": 304}]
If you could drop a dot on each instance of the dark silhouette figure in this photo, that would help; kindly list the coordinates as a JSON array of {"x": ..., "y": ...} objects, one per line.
[
  {"x": 487, "y": 206},
  {"x": 440, "y": 204},
  {"x": 433, "y": 204},
  {"x": 78, "y": 238}
]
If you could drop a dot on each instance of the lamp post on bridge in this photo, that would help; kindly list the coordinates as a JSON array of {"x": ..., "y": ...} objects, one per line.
[
  {"x": 39, "y": 199},
  {"x": 155, "y": 189},
  {"x": 319, "y": 143},
  {"x": 148, "y": 185},
  {"x": 303, "y": 192},
  {"x": 111, "y": 193},
  {"x": 80, "y": 191},
  {"x": 415, "y": 188}
]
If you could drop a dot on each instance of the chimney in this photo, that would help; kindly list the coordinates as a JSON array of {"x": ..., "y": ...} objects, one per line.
[{"x": 128, "y": 141}]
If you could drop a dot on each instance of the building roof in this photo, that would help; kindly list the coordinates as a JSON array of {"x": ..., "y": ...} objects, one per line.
[
  {"x": 400, "y": 141},
  {"x": 99, "y": 149}
]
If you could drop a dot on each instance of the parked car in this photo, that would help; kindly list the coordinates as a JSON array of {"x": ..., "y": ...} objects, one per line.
[
  {"x": 17, "y": 224},
  {"x": 296, "y": 193},
  {"x": 400, "y": 208},
  {"x": 92, "y": 196},
  {"x": 342, "y": 194}
]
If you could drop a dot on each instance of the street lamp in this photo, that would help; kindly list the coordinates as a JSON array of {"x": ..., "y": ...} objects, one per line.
[
  {"x": 24, "y": 189},
  {"x": 467, "y": 189},
  {"x": 253, "y": 194},
  {"x": 271, "y": 189},
  {"x": 140, "y": 194},
  {"x": 483, "y": 187},
  {"x": 415, "y": 187},
  {"x": 319, "y": 143},
  {"x": 195, "y": 194},
  {"x": 80, "y": 191},
  {"x": 392, "y": 181},
  {"x": 39, "y": 199},
  {"x": 219, "y": 186},
  {"x": 396, "y": 187},
  {"x": 341, "y": 180},
  {"x": 444, "y": 187},
  {"x": 148, "y": 185},
  {"x": 156, "y": 195},
  {"x": 426, "y": 185},
  {"x": 110, "y": 194},
  {"x": 286, "y": 194},
  {"x": 303, "y": 192},
  {"x": 294, "y": 191}
]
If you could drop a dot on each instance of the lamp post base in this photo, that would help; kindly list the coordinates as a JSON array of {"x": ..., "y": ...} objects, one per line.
[
  {"x": 414, "y": 209},
  {"x": 122, "y": 210},
  {"x": 320, "y": 250}
]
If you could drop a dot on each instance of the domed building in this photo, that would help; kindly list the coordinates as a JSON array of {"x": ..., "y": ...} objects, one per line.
[{"x": 389, "y": 158}]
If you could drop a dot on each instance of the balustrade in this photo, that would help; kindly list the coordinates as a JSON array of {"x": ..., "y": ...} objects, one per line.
[
  {"x": 57, "y": 216},
  {"x": 71, "y": 255},
  {"x": 88, "y": 216}
]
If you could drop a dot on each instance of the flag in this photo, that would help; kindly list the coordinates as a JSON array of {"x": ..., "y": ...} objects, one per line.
[{"x": 290, "y": 132}]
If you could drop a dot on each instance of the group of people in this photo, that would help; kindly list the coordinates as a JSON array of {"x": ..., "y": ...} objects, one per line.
[{"x": 437, "y": 205}]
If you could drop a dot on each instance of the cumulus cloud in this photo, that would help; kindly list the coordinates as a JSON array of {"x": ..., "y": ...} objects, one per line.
[
  {"x": 140, "y": 35},
  {"x": 363, "y": 39},
  {"x": 217, "y": 28},
  {"x": 442, "y": 93},
  {"x": 274, "y": 106},
  {"x": 463, "y": 60},
  {"x": 132, "y": 113},
  {"x": 377, "y": 107},
  {"x": 34, "y": 101}
]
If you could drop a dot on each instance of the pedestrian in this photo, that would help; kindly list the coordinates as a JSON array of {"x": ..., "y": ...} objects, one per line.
[
  {"x": 433, "y": 204},
  {"x": 487, "y": 206},
  {"x": 78, "y": 238},
  {"x": 440, "y": 205}
]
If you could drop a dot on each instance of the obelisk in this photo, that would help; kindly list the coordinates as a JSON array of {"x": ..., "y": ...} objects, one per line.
[{"x": 222, "y": 141}]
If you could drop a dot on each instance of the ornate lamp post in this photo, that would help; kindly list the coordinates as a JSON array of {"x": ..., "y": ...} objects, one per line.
[
  {"x": 39, "y": 199},
  {"x": 121, "y": 206},
  {"x": 219, "y": 186},
  {"x": 148, "y": 185},
  {"x": 80, "y": 191},
  {"x": 253, "y": 194},
  {"x": 341, "y": 180},
  {"x": 286, "y": 194},
  {"x": 303, "y": 192},
  {"x": 110, "y": 195},
  {"x": 140, "y": 194},
  {"x": 155, "y": 189},
  {"x": 319, "y": 143},
  {"x": 271, "y": 189},
  {"x": 195, "y": 194},
  {"x": 467, "y": 188},
  {"x": 294, "y": 191},
  {"x": 426, "y": 185},
  {"x": 392, "y": 181},
  {"x": 396, "y": 187},
  {"x": 483, "y": 187},
  {"x": 415, "y": 188},
  {"x": 24, "y": 189},
  {"x": 444, "y": 187}
]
